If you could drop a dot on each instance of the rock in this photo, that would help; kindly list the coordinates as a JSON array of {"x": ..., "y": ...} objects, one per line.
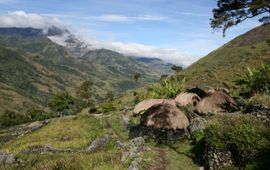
[
  {"x": 2, "y": 157},
  {"x": 124, "y": 120},
  {"x": 216, "y": 159},
  {"x": 134, "y": 165},
  {"x": 48, "y": 148},
  {"x": 6, "y": 158},
  {"x": 164, "y": 116},
  {"x": 137, "y": 142},
  {"x": 10, "y": 159},
  {"x": 134, "y": 147},
  {"x": 98, "y": 143},
  {"x": 120, "y": 145},
  {"x": 36, "y": 125},
  {"x": 197, "y": 123}
]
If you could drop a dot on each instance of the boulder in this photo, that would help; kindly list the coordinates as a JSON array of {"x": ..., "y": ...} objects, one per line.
[
  {"x": 146, "y": 104},
  {"x": 197, "y": 123},
  {"x": 134, "y": 165},
  {"x": 2, "y": 157},
  {"x": 98, "y": 143},
  {"x": 10, "y": 159},
  {"x": 216, "y": 102},
  {"x": 6, "y": 158},
  {"x": 133, "y": 149},
  {"x": 164, "y": 116}
]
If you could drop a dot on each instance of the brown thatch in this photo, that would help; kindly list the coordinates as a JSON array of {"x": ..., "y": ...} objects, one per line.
[
  {"x": 185, "y": 98},
  {"x": 216, "y": 102},
  {"x": 201, "y": 93},
  {"x": 146, "y": 104},
  {"x": 164, "y": 116}
]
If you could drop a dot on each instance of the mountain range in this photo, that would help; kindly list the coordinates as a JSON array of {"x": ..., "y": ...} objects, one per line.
[{"x": 35, "y": 65}]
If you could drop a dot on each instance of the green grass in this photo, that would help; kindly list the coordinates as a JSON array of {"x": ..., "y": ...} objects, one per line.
[
  {"x": 229, "y": 62},
  {"x": 102, "y": 160},
  {"x": 69, "y": 132},
  {"x": 179, "y": 157}
]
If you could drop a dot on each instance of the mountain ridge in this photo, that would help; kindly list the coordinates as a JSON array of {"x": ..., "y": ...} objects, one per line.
[{"x": 56, "y": 68}]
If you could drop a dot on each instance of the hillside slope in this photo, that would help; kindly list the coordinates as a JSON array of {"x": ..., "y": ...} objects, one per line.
[
  {"x": 32, "y": 68},
  {"x": 231, "y": 60}
]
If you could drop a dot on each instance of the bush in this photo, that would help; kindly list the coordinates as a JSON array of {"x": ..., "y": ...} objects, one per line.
[
  {"x": 256, "y": 81},
  {"x": 247, "y": 138},
  {"x": 10, "y": 118},
  {"x": 38, "y": 114},
  {"x": 167, "y": 88},
  {"x": 62, "y": 103}
]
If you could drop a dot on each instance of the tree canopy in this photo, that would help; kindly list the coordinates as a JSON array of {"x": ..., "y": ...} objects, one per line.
[
  {"x": 61, "y": 101},
  {"x": 232, "y": 12}
]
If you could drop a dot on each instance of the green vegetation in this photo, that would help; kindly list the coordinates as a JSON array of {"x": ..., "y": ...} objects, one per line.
[
  {"x": 11, "y": 118},
  {"x": 246, "y": 137},
  {"x": 179, "y": 156},
  {"x": 102, "y": 160},
  {"x": 167, "y": 88},
  {"x": 226, "y": 64},
  {"x": 85, "y": 91},
  {"x": 256, "y": 81},
  {"x": 230, "y": 13},
  {"x": 61, "y": 103},
  {"x": 44, "y": 68},
  {"x": 68, "y": 132}
]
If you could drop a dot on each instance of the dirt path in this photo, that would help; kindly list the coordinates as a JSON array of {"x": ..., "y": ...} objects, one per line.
[{"x": 109, "y": 126}]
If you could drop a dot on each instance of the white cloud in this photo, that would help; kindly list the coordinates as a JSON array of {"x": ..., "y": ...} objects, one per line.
[
  {"x": 124, "y": 18},
  {"x": 140, "y": 50},
  {"x": 195, "y": 14},
  {"x": 22, "y": 19}
]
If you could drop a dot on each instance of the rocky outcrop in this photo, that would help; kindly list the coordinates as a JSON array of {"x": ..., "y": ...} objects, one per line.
[
  {"x": 98, "y": 143},
  {"x": 6, "y": 158},
  {"x": 20, "y": 130},
  {"x": 132, "y": 152},
  {"x": 261, "y": 112},
  {"x": 216, "y": 159},
  {"x": 197, "y": 123},
  {"x": 37, "y": 149},
  {"x": 124, "y": 120}
]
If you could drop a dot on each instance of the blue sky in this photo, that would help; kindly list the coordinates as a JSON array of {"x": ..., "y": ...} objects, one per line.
[{"x": 179, "y": 27}]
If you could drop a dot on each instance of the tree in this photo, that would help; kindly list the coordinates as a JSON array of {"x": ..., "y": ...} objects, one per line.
[
  {"x": 232, "y": 12},
  {"x": 61, "y": 102},
  {"x": 136, "y": 77},
  {"x": 176, "y": 68},
  {"x": 85, "y": 91}
]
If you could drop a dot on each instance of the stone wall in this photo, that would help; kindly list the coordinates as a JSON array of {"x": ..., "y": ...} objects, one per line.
[{"x": 216, "y": 159}]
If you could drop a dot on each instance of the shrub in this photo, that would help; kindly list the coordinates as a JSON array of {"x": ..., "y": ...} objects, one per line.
[
  {"x": 38, "y": 114},
  {"x": 167, "y": 88},
  {"x": 10, "y": 118},
  {"x": 256, "y": 81},
  {"x": 247, "y": 138},
  {"x": 62, "y": 103}
]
